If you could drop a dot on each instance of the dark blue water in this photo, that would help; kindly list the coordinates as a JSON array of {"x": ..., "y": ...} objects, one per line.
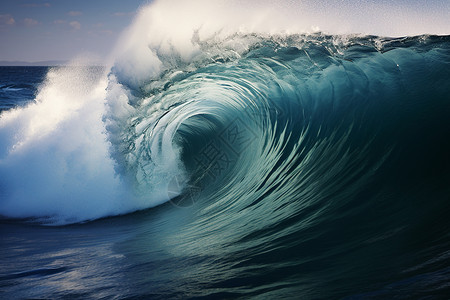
[
  {"x": 299, "y": 169},
  {"x": 18, "y": 85}
]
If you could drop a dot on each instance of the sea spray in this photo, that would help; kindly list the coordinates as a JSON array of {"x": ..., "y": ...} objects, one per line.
[{"x": 54, "y": 153}]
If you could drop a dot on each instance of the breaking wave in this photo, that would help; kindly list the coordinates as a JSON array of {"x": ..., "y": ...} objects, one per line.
[{"x": 254, "y": 113}]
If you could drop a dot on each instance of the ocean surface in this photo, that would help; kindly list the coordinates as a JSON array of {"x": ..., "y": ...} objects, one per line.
[{"x": 274, "y": 166}]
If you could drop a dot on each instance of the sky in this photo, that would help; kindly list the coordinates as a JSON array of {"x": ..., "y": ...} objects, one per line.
[{"x": 39, "y": 30}]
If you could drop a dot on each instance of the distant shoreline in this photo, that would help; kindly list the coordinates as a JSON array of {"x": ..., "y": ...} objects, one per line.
[{"x": 46, "y": 63}]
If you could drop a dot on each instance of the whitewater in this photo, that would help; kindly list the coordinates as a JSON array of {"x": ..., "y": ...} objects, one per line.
[{"x": 237, "y": 149}]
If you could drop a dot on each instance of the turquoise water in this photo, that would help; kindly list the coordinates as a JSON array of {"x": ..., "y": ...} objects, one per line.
[{"x": 303, "y": 166}]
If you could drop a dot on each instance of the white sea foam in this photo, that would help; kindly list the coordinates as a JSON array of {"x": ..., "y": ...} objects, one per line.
[{"x": 54, "y": 158}]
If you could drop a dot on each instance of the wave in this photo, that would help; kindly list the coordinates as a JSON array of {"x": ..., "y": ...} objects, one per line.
[
  {"x": 231, "y": 118},
  {"x": 12, "y": 88}
]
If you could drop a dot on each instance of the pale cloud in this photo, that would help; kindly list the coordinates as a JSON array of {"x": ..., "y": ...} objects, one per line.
[
  {"x": 75, "y": 25},
  {"x": 74, "y": 13},
  {"x": 30, "y": 22},
  {"x": 7, "y": 20},
  {"x": 46, "y": 4},
  {"x": 59, "y": 22}
]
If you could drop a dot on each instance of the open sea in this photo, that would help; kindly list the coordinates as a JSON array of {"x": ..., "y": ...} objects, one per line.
[{"x": 256, "y": 166}]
